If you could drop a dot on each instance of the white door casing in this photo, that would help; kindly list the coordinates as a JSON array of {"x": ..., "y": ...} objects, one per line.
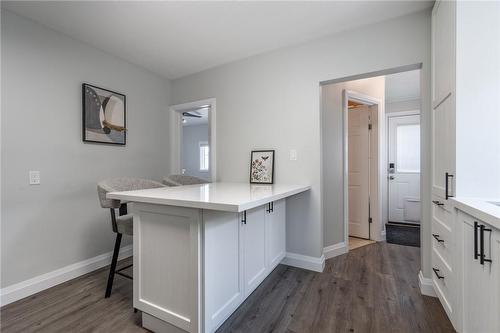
[
  {"x": 359, "y": 171},
  {"x": 404, "y": 168}
]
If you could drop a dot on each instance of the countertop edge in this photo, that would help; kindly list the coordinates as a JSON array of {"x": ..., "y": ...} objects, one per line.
[
  {"x": 478, "y": 208},
  {"x": 207, "y": 205}
]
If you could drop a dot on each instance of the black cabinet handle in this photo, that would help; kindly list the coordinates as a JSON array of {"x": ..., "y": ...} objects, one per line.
[
  {"x": 446, "y": 177},
  {"x": 437, "y": 274},
  {"x": 436, "y": 236},
  {"x": 244, "y": 219},
  {"x": 437, "y": 203},
  {"x": 482, "y": 258},
  {"x": 476, "y": 226},
  {"x": 270, "y": 207}
]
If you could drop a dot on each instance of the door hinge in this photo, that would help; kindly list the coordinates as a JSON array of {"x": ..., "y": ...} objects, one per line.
[
  {"x": 370, "y": 220},
  {"x": 369, "y": 126}
]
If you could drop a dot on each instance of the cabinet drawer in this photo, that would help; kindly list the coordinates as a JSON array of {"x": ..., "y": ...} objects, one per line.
[
  {"x": 441, "y": 212},
  {"x": 442, "y": 241},
  {"x": 443, "y": 279}
]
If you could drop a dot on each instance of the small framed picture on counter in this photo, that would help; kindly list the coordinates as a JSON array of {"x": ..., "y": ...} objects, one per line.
[{"x": 262, "y": 167}]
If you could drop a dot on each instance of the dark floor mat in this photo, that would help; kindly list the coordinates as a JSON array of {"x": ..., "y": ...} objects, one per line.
[{"x": 402, "y": 234}]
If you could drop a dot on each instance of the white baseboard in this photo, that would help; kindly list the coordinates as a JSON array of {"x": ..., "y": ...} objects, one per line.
[
  {"x": 335, "y": 250},
  {"x": 306, "y": 262},
  {"x": 425, "y": 284},
  {"x": 382, "y": 236},
  {"x": 34, "y": 285}
]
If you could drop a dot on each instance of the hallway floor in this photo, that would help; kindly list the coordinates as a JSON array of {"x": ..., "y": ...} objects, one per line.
[
  {"x": 371, "y": 289},
  {"x": 355, "y": 242}
]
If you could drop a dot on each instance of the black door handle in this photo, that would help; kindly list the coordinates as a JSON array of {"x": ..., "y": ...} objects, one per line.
[
  {"x": 244, "y": 219},
  {"x": 446, "y": 177},
  {"x": 482, "y": 258},
  {"x": 436, "y": 236},
  {"x": 476, "y": 226},
  {"x": 437, "y": 274},
  {"x": 436, "y": 202}
]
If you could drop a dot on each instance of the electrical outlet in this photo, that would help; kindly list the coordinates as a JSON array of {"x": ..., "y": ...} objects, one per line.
[
  {"x": 34, "y": 177},
  {"x": 293, "y": 154}
]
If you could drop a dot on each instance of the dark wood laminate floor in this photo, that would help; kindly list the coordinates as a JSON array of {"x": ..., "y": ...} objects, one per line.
[{"x": 371, "y": 289}]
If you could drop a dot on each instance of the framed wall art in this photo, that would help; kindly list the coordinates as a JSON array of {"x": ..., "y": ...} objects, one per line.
[
  {"x": 104, "y": 116},
  {"x": 262, "y": 167}
]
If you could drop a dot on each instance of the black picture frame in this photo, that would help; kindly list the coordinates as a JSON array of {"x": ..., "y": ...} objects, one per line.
[
  {"x": 85, "y": 110},
  {"x": 268, "y": 151}
]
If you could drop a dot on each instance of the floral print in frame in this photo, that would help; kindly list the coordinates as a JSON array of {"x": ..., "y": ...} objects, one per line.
[{"x": 262, "y": 167}]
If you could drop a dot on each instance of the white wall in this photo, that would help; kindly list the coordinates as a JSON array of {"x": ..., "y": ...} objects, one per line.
[
  {"x": 332, "y": 152},
  {"x": 273, "y": 101},
  {"x": 192, "y": 135},
  {"x": 404, "y": 105},
  {"x": 477, "y": 105},
  {"x": 60, "y": 222}
]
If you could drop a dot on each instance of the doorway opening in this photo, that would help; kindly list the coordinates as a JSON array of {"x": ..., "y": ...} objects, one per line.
[
  {"x": 193, "y": 139},
  {"x": 355, "y": 156}
]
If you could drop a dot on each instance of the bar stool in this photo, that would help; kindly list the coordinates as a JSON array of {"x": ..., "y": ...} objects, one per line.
[
  {"x": 123, "y": 223},
  {"x": 178, "y": 180}
]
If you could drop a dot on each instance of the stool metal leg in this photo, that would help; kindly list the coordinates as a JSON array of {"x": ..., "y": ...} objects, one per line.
[{"x": 113, "y": 265}]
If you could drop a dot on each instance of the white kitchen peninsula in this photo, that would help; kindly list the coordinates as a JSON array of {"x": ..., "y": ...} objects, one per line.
[{"x": 200, "y": 250}]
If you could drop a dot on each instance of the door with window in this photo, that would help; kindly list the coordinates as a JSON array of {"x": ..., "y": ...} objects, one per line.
[{"x": 404, "y": 169}]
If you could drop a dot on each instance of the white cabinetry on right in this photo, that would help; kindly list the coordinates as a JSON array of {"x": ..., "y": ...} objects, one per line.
[
  {"x": 443, "y": 99},
  {"x": 479, "y": 275}
]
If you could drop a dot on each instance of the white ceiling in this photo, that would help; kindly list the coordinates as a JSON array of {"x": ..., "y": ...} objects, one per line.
[
  {"x": 192, "y": 121},
  {"x": 402, "y": 86},
  {"x": 175, "y": 39}
]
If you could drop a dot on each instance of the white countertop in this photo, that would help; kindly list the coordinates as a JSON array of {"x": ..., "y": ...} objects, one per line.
[
  {"x": 480, "y": 208},
  {"x": 231, "y": 197}
]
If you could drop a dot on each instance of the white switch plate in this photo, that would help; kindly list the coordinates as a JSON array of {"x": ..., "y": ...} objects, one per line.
[
  {"x": 34, "y": 177},
  {"x": 293, "y": 154}
]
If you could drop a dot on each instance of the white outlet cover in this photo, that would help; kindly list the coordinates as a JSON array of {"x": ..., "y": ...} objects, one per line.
[
  {"x": 293, "y": 154},
  {"x": 34, "y": 177}
]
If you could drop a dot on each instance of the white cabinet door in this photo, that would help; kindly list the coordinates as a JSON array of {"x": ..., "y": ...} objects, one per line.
[
  {"x": 443, "y": 97},
  {"x": 443, "y": 50},
  {"x": 276, "y": 231},
  {"x": 224, "y": 289},
  {"x": 254, "y": 248},
  {"x": 481, "y": 283},
  {"x": 443, "y": 148}
]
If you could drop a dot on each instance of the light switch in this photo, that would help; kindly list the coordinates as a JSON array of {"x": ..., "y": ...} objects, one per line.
[
  {"x": 293, "y": 154},
  {"x": 34, "y": 177}
]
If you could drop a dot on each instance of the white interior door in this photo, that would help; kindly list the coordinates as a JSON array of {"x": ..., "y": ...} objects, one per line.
[
  {"x": 404, "y": 169},
  {"x": 358, "y": 171}
]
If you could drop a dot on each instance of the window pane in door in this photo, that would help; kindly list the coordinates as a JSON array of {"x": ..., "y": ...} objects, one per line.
[{"x": 408, "y": 148}]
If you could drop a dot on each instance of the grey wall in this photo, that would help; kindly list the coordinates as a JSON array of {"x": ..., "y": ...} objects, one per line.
[
  {"x": 332, "y": 152},
  {"x": 191, "y": 137},
  {"x": 60, "y": 222},
  {"x": 273, "y": 101}
]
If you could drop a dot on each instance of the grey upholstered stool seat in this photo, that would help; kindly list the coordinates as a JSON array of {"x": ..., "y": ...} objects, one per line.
[
  {"x": 178, "y": 180},
  {"x": 123, "y": 223}
]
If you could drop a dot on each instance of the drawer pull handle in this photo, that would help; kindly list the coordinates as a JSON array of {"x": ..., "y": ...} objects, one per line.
[
  {"x": 244, "y": 217},
  {"x": 446, "y": 189},
  {"x": 482, "y": 256},
  {"x": 439, "y": 240},
  {"x": 437, "y": 203},
  {"x": 437, "y": 274},
  {"x": 476, "y": 253}
]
